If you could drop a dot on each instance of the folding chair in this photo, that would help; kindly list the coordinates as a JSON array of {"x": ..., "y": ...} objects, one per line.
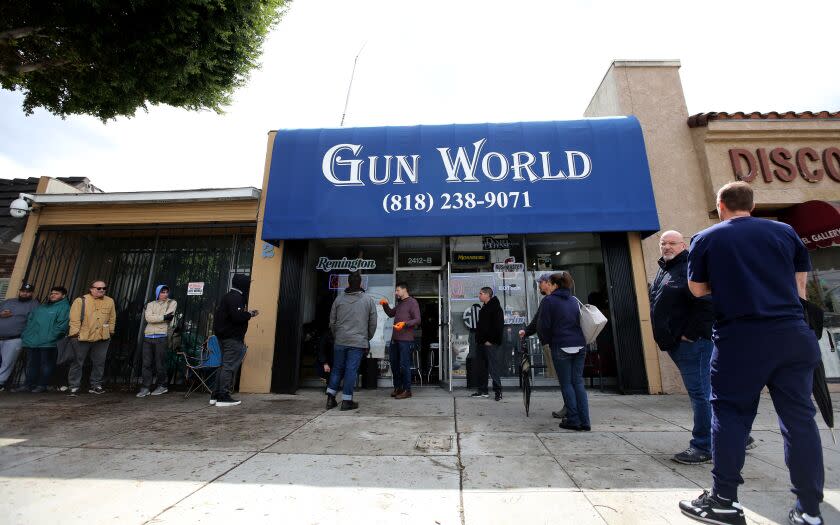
[{"x": 208, "y": 358}]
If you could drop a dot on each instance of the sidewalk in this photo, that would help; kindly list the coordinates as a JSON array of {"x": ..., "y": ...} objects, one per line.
[{"x": 438, "y": 458}]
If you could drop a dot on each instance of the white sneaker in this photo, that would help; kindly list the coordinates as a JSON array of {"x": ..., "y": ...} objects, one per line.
[
  {"x": 160, "y": 390},
  {"x": 143, "y": 392}
]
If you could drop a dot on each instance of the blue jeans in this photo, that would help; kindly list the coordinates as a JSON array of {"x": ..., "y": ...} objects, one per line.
[
  {"x": 40, "y": 365},
  {"x": 346, "y": 361},
  {"x": 694, "y": 362},
  {"x": 400, "y": 356},
  {"x": 569, "y": 368}
]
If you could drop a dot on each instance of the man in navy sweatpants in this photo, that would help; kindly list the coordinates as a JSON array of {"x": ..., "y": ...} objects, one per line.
[{"x": 756, "y": 271}]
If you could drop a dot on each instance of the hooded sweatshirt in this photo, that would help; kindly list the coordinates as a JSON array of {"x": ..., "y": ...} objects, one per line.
[
  {"x": 232, "y": 316},
  {"x": 155, "y": 325},
  {"x": 353, "y": 319}
]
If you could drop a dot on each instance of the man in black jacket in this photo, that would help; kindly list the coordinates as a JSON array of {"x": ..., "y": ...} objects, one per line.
[
  {"x": 230, "y": 324},
  {"x": 488, "y": 340},
  {"x": 682, "y": 326}
]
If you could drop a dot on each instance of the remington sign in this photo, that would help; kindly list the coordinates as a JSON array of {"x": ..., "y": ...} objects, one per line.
[{"x": 328, "y": 265}]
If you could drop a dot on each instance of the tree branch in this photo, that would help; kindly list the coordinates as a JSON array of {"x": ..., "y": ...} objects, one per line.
[
  {"x": 37, "y": 66},
  {"x": 19, "y": 32}
]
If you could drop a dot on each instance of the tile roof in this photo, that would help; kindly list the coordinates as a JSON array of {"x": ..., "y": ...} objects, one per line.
[{"x": 702, "y": 119}]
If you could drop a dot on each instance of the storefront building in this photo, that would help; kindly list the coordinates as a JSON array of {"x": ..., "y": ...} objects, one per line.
[
  {"x": 450, "y": 209},
  {"x": 193, "y": 241}
]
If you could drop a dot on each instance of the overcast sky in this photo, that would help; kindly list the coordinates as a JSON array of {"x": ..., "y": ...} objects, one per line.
[{"x": 434, "y": 62}]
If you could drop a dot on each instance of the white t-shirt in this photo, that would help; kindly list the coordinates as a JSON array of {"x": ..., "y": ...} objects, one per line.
[{"x": 571, "y": 349}]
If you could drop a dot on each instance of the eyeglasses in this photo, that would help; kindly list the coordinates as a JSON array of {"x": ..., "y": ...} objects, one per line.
[{"x": 103, "y": 288}]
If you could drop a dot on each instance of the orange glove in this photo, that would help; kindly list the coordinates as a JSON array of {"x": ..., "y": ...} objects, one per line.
[
  {"x": 399, "y": 326},
  {"x": 383, "y": 302}
]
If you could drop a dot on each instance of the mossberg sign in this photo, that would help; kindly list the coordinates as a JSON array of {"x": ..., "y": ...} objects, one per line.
[{"x": 785, "y": 165}]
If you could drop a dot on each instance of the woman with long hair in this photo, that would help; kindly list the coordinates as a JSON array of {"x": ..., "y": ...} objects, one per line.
[{"x": 559, "y": 327}]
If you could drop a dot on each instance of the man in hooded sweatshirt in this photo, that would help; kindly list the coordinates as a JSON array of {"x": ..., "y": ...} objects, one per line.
[
  {"x": 13, "y": 315},
  {"x": 230, "y": 324},
  {"x": 353, "y": 323},
  {"x": 159, "y": 314},
  {"x": 46, "y": 325},
  {"x": 488, "y": 340}
]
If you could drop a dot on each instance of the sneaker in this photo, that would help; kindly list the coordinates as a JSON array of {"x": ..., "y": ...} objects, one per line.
[
  {"x": 559, "y": 414},
  {"x": 405, "y": 394},
  {"x": 21, "y": 389},
  {"x": 480, "y": 394},
  {"x": 692, "y": 456},
  {"x": 160, "y": 390},
  {"x": 797, "y": 517},
  {"x": 143, "y": 392},
  {"x": 498, "y": 396},
  {"x": 396, "y": 392},
  {"x": 96, "y": 390},
  {"x": 39, "y": 390},
  {"x": 72, "y": 392},
  {"x": 349, "y": 405},
  {"x": 2, "y": 388},
  {"x": 712, "y": 509},
  {"x": 212, "y": 399},
  {"x": 63, "y": 388},
  {"x": 226, "y": 401},
  {"x": 751, "y": 444},
  {"x": 331, "y": 402}
]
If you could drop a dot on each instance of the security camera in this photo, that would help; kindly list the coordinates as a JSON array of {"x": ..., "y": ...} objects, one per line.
[{"x": 19, "y": 208}]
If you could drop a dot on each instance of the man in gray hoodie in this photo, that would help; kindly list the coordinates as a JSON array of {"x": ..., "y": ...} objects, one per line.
[
  {"x": 13, "y": 315},
  {"x": 353, "y": 323}
]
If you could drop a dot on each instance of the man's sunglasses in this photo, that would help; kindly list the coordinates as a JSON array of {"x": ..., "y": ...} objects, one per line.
[{"x": 99, "y": 288}]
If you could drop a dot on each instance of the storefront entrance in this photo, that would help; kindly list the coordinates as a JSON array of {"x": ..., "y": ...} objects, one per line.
[{"x": 444, "y": 274}]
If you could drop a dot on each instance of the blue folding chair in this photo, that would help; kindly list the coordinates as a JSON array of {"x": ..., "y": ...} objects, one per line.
[{"x": 203, "y": 366}]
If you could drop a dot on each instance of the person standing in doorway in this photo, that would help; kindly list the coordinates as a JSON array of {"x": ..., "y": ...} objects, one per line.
[
  {"x": 230, "y": 325},
  {"x": 159, "y": 314},
  {"x": 488, "y": 340},
  {"x": 352, "y": 323},
  {"x": 13, "y": 316},
  {"x": 406, "y": 316},
  {"x": 682, "y": 326},
  {"x": 756, "y": 271},
  {"x": 93, "y": 319},
  {"x": 46, "y": 325}
]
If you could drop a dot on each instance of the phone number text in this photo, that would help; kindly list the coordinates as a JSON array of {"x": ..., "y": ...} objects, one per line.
[{"x": 426, "y": 202}]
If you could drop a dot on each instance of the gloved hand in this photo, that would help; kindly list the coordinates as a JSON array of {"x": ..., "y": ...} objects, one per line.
[
  {"x": 383, "y": 302},
  {"x": 169, "y": 316},
  {"x": 399, "y": 326}
]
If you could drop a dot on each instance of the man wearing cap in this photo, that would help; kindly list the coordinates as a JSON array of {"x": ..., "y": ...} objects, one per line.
[
  {"x": 93, "y": 319},
  {"x": 13, "y": 315},
  {"x": 531, "y": 329}
]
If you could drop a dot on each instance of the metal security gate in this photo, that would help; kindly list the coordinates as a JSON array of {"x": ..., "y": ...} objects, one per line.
[{"x": 132, "y": 261}]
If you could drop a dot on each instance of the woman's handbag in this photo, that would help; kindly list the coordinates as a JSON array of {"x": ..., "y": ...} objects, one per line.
[
  {"x": 67, "y": 345},
  {"x": 592, "y": 321}
]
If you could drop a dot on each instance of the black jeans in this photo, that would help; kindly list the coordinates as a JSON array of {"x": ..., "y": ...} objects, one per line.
[
  {"x": 488, "y": 358},
  {"x": 233, "y": 352},
  {"x": 154, "y": 361},
  {"x": 40, "y": 363}
]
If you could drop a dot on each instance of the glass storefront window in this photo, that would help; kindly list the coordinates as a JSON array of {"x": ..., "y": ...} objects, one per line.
[
  {"x": 824, "y": 290},
  {"x": 478, "y": 261},
  {"x": 580, "y": 255}
]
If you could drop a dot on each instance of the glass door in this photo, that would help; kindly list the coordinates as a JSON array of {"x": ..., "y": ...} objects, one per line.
[{"x": 444, "y": 355}]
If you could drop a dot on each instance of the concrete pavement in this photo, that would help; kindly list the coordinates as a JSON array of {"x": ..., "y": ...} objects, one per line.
[{"x": 438, "y": 458}]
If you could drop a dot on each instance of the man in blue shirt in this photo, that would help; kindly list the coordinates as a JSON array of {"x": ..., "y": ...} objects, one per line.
[{"x": 756, "y": 271}]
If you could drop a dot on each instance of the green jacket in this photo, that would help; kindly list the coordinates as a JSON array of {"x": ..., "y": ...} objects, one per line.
[{"x": 46, "y": 325}]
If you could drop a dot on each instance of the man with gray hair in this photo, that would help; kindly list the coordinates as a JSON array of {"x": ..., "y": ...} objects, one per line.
[
  {"x": 531, "y": 329},
  {"x": 682, "y": 326}
]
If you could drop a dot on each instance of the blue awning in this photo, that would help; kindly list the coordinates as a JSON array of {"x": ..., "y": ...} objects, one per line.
[{"x": 467, "y": 179}]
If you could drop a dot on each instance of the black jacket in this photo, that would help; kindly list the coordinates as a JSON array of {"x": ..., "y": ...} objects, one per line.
[
  {"x": 674, "y": 311},
  {"x": 232, "y": 316},
  {"x": 531, "y": 329},
  {"x": 491, "y": 323}
]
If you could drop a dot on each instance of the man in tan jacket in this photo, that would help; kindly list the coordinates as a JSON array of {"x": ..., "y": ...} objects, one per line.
[{"x": 92, "y": 332}]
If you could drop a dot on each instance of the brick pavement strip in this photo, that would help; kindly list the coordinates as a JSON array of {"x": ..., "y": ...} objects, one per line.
[{"x": 436, "y": 458}]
